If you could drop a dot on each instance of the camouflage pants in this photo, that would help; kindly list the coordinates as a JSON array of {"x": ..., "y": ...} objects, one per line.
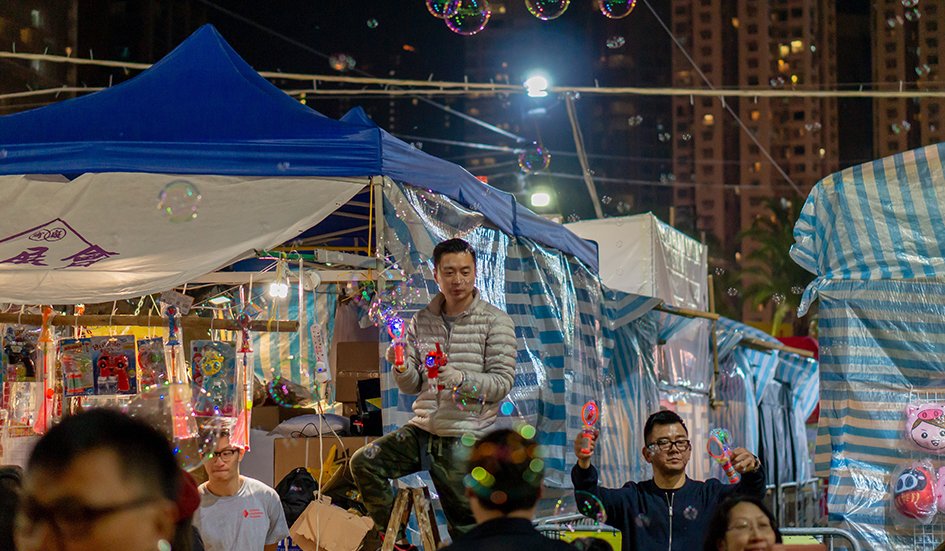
[{"x": 398, "y": 454}]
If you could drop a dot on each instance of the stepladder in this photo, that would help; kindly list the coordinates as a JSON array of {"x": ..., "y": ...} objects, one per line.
[{"x": 417, "y": 500}]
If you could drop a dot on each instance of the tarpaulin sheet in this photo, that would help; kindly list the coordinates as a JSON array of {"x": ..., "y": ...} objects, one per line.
[
  {"x": 565, "y": 321},
  {"x": 874, "y": 236}
]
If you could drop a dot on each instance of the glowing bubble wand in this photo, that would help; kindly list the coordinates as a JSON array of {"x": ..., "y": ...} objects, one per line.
[
  {"x": 184, "y": 425},
  {"x": 395, "y": 328},
  {"x": 435, "y": 360},
  {"x": 47, "y": 376},
  {"x": 719, "y": 447},
  {"x": 244, "y": 376},
  {"x": 590, "y": 414}
]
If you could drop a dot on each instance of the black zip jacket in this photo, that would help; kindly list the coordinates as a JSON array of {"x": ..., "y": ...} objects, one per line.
[{"x": 653, "y": 519}]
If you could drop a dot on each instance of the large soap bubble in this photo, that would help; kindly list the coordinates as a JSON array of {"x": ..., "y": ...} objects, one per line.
[
  {"x": 179, "y": 201},
  {"x": 546, "y": 10},
  {"x": 170, "y": 408},
  {"x": 534, "y": 158},
  {"x": 617, "y": 9},
  {"x": 470, "y": 18},
  {"x": 442, "y": 8}
]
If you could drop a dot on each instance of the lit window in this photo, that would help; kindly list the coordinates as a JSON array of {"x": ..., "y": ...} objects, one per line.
[
  {"x": 708, "y": 119},
  {"x": 783, "y": 50},
  {"x": 735, "y": 22},
  {"x": 796, "y": 46},
  {"x": 756, "y": 115}
]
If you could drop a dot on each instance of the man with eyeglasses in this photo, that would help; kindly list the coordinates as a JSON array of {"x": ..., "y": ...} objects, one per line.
[
  {"x": 237, "y": 513},
  {"x": 669, "y": 511}
]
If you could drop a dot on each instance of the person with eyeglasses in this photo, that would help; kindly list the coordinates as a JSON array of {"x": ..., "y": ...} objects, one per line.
[
  {"x": 669, "y": 511},
  {"x": 99, "y": 480},
  {"x": 237, "y": 513},
  {"x": 742, "y": 523}
]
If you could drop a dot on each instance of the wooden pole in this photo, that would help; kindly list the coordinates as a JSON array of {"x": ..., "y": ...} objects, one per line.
[{"x": 274, "y": 326}]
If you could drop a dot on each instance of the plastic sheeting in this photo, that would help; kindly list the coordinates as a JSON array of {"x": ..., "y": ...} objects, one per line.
[{"x": 566, "y": 325}]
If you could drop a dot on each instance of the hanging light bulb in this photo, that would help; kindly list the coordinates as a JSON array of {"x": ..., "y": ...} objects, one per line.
[{"x": 279, "y": 288}]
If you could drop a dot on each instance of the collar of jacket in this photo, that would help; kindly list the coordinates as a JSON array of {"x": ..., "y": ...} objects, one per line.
[{"x": 436, "y": 305}]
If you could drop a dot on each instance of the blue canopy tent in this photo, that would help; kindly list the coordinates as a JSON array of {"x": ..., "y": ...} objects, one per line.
[{"x": 203, "y": 111}]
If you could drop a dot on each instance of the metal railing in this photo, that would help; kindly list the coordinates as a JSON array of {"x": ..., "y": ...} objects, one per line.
[{"x": 826, "y": 536}]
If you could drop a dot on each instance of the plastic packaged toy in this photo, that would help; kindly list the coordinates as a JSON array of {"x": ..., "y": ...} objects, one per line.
[
  {"x": 114, "y": 362},
  {"x": 75, "y": 361},
  {"x": 913, "y": 491},
  {"x": 925, "y": 426}
]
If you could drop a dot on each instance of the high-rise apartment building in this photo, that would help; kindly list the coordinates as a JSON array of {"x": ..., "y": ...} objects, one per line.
[
  {"x": 782, "y": 44},
  {"x": 906, "y": 45}
]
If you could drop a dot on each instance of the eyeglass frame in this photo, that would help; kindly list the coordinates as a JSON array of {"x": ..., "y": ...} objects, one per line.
[
  {"x": 226, "y": 453},
  {"x": 655, "y": 447},
  {"x": 33, "y": 513}
]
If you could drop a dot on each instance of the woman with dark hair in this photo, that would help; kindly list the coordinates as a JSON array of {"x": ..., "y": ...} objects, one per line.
[
  {"x": 99, "y": 480},
  {"x": 742, "y": 523}
]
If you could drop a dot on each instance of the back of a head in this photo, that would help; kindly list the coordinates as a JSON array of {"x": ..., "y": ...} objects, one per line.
[
  {"x": 662, "y": 417},
  {"x": 143, "y": 452},
  {"x": 10, "y": 481},
  {"x": 505, "y": 471}
]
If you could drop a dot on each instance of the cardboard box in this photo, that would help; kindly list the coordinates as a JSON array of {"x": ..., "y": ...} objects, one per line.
[
  {"x": 269, "y": 417},
  {"x": 331, "y": 527},
  {"x": 289, "y": 453},
  {"x": 358, "y": 357},
  {"x": 346, "y": 384}
]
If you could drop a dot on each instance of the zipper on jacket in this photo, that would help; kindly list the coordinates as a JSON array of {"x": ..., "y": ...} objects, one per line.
[{"x": 670, "y": 497}]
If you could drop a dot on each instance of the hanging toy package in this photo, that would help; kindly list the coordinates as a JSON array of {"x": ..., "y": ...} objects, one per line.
[
  {"x": 152, "y": 366},
  {"x": 114, "y": 361},
  {"x": 213, "y": 367},
  {"x": 925, "y": 426},
  {"x": 75, "y": 362},
  {"x": 22, "y": 386},
  {"x": 912, "y": 487},
  {"x": 19, "y": 351}
]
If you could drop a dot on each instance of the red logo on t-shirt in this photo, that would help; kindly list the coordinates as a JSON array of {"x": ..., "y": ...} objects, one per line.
[{"x": 252, "y": 513}]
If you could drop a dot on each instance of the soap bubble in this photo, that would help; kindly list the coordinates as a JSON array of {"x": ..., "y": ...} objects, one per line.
[
  {"x": 686, "y": 136},
  {"x": 732, "y": 292},
  {"x": 664, "y": 136},
  {"x": 170, "y": 409},
  {"x": 777, "y": 82},
  {"x": 719, "y": 271},
  {"x": 923, "y": 69},
  {"x": 179, "y": 201},
  {"x": 534, "y": 158},
  {"x": 606, "y": 200},
  {"x": 797, "y": 290},
  {"x": 470, "y": 17},
  {"x": 910, "y": 3},
  {"x": 341, "y": 62},
  {"x": 690, "y": 513},
  {"x": 891, "y": 22},
  {"x": 617, "y": 9},
  {"x": 400, "y": 435},
  {"x": 777, "y": 298},
  {"x": 546, "y": 10},
  {"x": 372, "y": 23},
  {"x": 913, "y": 15},
  {"x": 573, "y": 217},
  {"x": 642, "y": 521},
  {"x": 616, "y": 42},
  {"x": 590, "y": 506},
  {"x": 3, "y": 153},
  {"x": 468, "y": 398},
  {"x": 289, "y": 394},
  {"x": 283, "y": 166},
  {"x": 442, "y": 8},
  {"x": 635, "y": 120}
]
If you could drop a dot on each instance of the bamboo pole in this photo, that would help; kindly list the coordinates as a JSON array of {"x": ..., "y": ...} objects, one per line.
[
  {"x": 758, "y": 344},
  {"x": 274, "y": 326}
]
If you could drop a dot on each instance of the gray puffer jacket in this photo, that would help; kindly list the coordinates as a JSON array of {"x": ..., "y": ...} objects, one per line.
[{"x": 482, "y": 344}]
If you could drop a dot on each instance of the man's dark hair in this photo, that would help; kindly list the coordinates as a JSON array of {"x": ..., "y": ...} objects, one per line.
[
  {"x": 505, "y": 471},
  {"x": 452, "y": 246},
  {"x": 718, "y": 526},
  {"x": 142, "y": 451},
  {"x": 662, "y": 417},
  {"x": 11, "y": 477}
]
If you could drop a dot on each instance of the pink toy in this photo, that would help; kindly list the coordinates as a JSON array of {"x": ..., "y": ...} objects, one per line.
[
  {"x": 925, "y": 426},
  {"x": 940, "y": 489}
]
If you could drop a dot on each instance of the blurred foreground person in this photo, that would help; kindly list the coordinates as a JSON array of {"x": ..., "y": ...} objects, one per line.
[
  {"x": 503, "y": 487},
  {"x": 99, "y": 480},
  {"x": 11, "y": 478},
  {"x": 742, "y": 523}
]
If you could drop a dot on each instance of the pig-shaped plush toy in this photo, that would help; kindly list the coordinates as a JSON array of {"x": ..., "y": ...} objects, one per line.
[{"x": 925, "y": 426}]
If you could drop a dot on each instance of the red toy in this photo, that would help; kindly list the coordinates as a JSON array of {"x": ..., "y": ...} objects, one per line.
[
  {"x": 435, "y": 360},
  {"x": 114, "y": 369},
  {"x": 914, "y": 493}
]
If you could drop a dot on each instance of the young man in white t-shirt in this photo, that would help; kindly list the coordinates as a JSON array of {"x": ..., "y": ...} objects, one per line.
[{"x": 237, "y": 513}]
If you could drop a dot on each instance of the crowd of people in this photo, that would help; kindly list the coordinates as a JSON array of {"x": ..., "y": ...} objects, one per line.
[{"x": 101, "y": 480}]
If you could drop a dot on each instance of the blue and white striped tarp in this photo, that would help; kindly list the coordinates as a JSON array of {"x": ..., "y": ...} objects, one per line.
[
  {"x": 567, "y": 325},
  {"x": 874, "y": 236}
]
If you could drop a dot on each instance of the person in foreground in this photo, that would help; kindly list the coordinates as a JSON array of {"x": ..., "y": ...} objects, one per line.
[
  {"x": 479, "y": 342},
  {"x": 742, "y": 523},
  {"x": 237, "y": 513},
  {"x": 669, "y": 511},
  {"x": 503, "y": 485},
  {"x": 99, "y": 480}
]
